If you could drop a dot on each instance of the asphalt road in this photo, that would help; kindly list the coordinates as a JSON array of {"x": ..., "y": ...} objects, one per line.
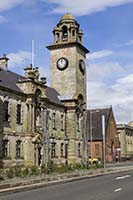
[{"x": 108, "y": 187}]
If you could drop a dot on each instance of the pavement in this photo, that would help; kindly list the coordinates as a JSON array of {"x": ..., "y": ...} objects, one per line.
[{"x": 18, "y": 184}]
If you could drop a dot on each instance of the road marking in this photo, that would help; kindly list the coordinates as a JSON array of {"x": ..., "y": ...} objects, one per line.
[
  {"x": 118, "y": 189},
  {"x": 122, "y": 177}
]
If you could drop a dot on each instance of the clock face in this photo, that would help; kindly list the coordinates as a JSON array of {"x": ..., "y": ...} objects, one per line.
[
  {"x": 82, "y": 66},
  {"x": 62, "y": 63}
]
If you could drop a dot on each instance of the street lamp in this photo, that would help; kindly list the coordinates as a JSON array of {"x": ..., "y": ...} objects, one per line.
[
  {"x": 91, "y": 133},
  {"x": 104, "y": 145}
]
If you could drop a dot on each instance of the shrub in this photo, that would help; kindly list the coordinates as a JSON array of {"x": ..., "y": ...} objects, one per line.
[
  {"x": 34, "y": 170},
  {"x": 25, "y": 172},
  {"x": 43, "y": 169},
  {"x": 10, "y": 173},
  {"x": 18, "y": 171}
]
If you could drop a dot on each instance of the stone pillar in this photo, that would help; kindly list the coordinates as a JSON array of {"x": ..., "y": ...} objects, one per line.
[{"x": 33, "y": 117}]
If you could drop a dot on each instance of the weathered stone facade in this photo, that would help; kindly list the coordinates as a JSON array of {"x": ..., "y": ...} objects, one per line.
[
  {"x": 42, "y": 124},
  {"x": 125, "y": 133}
]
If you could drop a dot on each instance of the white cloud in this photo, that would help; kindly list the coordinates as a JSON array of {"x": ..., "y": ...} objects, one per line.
[
  {"x": 2, "y": 19},
  {"x": 84, "y": 7},
  {"x": 105, "y": 71},
  {"x": 99, "y": 54},
  {"x": 119, "y": 93},
  {"x": 130, "y": 43},
  {"x": 9, "y": 4},
  {"x": 19, "y": 59}
]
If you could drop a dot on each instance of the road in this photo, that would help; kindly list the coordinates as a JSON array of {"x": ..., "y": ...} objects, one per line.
[{"x": 107, "y": 187}]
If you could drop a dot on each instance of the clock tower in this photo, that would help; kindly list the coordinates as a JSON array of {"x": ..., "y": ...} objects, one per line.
[
  {"x": 68, "y": 77},
  {"x": 68, "y": 59}
]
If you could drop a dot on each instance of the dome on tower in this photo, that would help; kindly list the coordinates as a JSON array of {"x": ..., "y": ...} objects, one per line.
[
  {"x": 130, "y": 123},
  {"x": 68, "y": 16}
]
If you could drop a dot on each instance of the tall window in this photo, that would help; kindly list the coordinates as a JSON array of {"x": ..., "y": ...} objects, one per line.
[
  {"x": 79, "y": 150},
  {"x": 18, "y": 149},
  {"x": 65, "y": 33},
  {"x": 66, "y": 150},
  {"x": 5, "y": 148},
  {"x": 73, "y": 32},
  {"x": 18, "y": 114},
  {"x": 53, "y": 150},
  {"x": 78, "y": 126},
  {"x": 62, "y": 150},
  {"x": 62, "y": 122},
  {"x": 6, "y": 112},
  {"x": 54, "y": 120}
]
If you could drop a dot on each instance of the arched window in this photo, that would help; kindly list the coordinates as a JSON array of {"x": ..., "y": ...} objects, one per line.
[
  {"x": 62, "y": 150},
  {"x": 18, "y": 148},
  {"x": 73, "y": 33},
  {"x": 64, "y": 33},
  {"x": 57, "y": 37},
  {"x": 79, "y": 150}
]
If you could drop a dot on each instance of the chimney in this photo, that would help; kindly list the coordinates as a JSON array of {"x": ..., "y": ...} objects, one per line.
[{"x": 4, "y": 62}]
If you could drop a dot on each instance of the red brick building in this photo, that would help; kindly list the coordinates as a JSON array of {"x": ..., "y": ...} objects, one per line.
[{"x": 95, "y": 137}]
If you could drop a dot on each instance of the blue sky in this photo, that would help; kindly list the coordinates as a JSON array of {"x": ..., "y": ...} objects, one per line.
[{"x": 108, "y": 34}]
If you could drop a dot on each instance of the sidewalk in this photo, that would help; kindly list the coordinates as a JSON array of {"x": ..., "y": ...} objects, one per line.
[{"x": 21, "y": 184}]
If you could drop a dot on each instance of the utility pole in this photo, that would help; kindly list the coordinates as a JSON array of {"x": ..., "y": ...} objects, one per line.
[
  {"x": 103, "y": 133},
  {"x": 85, "y": 139}
]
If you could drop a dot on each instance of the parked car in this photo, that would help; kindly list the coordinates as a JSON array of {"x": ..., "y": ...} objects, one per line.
[{"x": 94, "y": 160}]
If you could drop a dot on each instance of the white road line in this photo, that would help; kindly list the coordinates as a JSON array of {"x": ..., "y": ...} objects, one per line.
[
  {"x": 118, "y": 189},
  {"x": 122, "y": 177}
]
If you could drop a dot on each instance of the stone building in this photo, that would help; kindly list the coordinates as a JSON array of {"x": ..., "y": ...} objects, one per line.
[
  {"x": 125, "y": 134},
  {"x": 42, "y": 124},
  {"x": 95, "y": 136}
]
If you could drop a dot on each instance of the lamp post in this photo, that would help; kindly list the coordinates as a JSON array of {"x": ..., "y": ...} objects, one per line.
[
  {"x": 91, "y": 133},
  {"x": 103, "y": 133}
]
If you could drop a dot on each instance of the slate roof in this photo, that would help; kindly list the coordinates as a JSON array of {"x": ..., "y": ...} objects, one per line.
[
  {"x": 52, "y": 95},
  {"x": 8, "y": 79},
  {"x": 94, "y": 120}
]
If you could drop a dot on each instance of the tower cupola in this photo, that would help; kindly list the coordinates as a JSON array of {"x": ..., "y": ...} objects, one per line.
[{"x": 67, "y": 30}]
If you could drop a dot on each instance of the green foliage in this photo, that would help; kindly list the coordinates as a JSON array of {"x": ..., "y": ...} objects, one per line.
[
  {"x": 34, "y": 170},
  {"x": 17, "y": 171},
  {"x": 43, "y": 169},
  {"x": 25, "y": 172},
  {"x": 10, "y": 172},
  {"x": 60, "y": 168}
]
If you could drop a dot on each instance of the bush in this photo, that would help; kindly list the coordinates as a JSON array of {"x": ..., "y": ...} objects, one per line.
[
  {"x": 25, "y": 172},
  {"x": 43, "y": 169},
  {"x": 18, "y": 171},
  {"x": 10, "y": 173},
  {"x": 34, "y": 170},
  {"x": 60, "y": 168}
]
